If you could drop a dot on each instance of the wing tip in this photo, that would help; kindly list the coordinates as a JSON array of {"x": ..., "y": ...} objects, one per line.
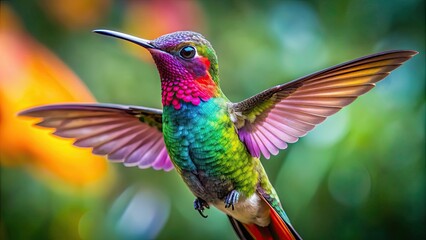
[
  {"x": 32, "y": 111},
  {"x": 36, "y": 111},
  {"x": 27, "y": 112},
  {"x": 412, "y": 52},
  {"x": 409, "y": 53}
]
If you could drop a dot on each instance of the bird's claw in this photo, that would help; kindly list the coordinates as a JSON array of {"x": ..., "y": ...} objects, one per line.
[
  {"x": 200, "y": 205},
  {"x": 231, "y": 199}
]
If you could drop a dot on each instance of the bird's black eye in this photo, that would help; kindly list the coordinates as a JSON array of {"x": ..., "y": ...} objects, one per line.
[{"x": 187, "y": 52}]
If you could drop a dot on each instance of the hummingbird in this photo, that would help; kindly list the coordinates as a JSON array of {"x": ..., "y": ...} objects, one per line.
[{"x": 215, "y": 145}]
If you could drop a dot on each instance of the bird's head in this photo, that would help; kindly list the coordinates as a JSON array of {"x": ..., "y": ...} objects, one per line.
[{"x": 186, "y": 62}]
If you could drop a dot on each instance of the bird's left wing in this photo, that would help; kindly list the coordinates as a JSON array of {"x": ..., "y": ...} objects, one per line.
[
  {"x": 128, "y": 134},
  {"x": 282, "y": 114}
]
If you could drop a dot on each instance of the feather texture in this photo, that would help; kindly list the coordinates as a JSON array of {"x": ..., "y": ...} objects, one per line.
[
  {"x": 128, "y": 134},
  {"x": 269, "y": 120}
]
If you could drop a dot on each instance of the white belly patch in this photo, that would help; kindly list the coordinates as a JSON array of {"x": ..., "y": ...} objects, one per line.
[{"x": 248, "y": 210}]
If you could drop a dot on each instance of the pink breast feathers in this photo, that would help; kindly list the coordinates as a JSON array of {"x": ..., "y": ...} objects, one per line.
[{"x": 190, "y": 91}]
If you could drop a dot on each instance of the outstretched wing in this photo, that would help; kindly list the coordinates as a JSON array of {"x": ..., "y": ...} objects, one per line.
[
  {"x": 128, "y": 134},
  {"x": 282, "y": 114}
]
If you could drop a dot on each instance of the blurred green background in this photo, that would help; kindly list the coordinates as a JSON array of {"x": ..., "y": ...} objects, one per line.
[{"x": 359, "y": 175}]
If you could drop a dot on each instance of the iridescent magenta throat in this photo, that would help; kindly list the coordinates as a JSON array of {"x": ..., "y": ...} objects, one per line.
[
  {"x": 174, "y": 92},
  {"x": 179, "y": 83}
]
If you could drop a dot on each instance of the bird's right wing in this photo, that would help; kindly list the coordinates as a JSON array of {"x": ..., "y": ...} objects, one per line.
[
  {"x": 282, "y": 114},
  {"x": 128, "y": 134}
]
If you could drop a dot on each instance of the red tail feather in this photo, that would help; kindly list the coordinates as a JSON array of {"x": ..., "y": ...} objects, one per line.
[
  {"x": 259, "y": 232},
  {"x": 279, "y": 227},
  {"x": 276, "y": 230}
]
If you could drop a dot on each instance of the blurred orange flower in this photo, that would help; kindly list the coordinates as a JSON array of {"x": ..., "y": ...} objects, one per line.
[
  {"x": 31, "y": 75},
  {"x": 75, "y": 14}
]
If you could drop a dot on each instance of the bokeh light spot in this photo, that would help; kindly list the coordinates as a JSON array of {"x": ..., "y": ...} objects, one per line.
[
  {"x": 349, "y": 183},
  {"x": 139, "y": 213}
]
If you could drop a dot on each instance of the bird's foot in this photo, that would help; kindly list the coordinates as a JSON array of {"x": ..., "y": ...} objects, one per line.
[
  {"x": 231, "y": 199},
  {"x": 200, "y": 205}
]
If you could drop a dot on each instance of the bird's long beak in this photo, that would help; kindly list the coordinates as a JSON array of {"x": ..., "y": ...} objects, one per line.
[{"x": 139, "y": 41}]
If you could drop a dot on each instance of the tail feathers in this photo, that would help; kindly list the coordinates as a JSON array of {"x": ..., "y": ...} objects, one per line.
[
  {"x": 240, "y": 229},
  {"x": 277, "y": 229},
  {"x": 250, "y": 231},
  {"x": 282, "y": 229}
]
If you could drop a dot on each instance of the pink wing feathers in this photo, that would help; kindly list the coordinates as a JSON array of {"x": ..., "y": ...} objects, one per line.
[
  {"x": 128, "y": 134},
  {"x": 269, "y": 120}
]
